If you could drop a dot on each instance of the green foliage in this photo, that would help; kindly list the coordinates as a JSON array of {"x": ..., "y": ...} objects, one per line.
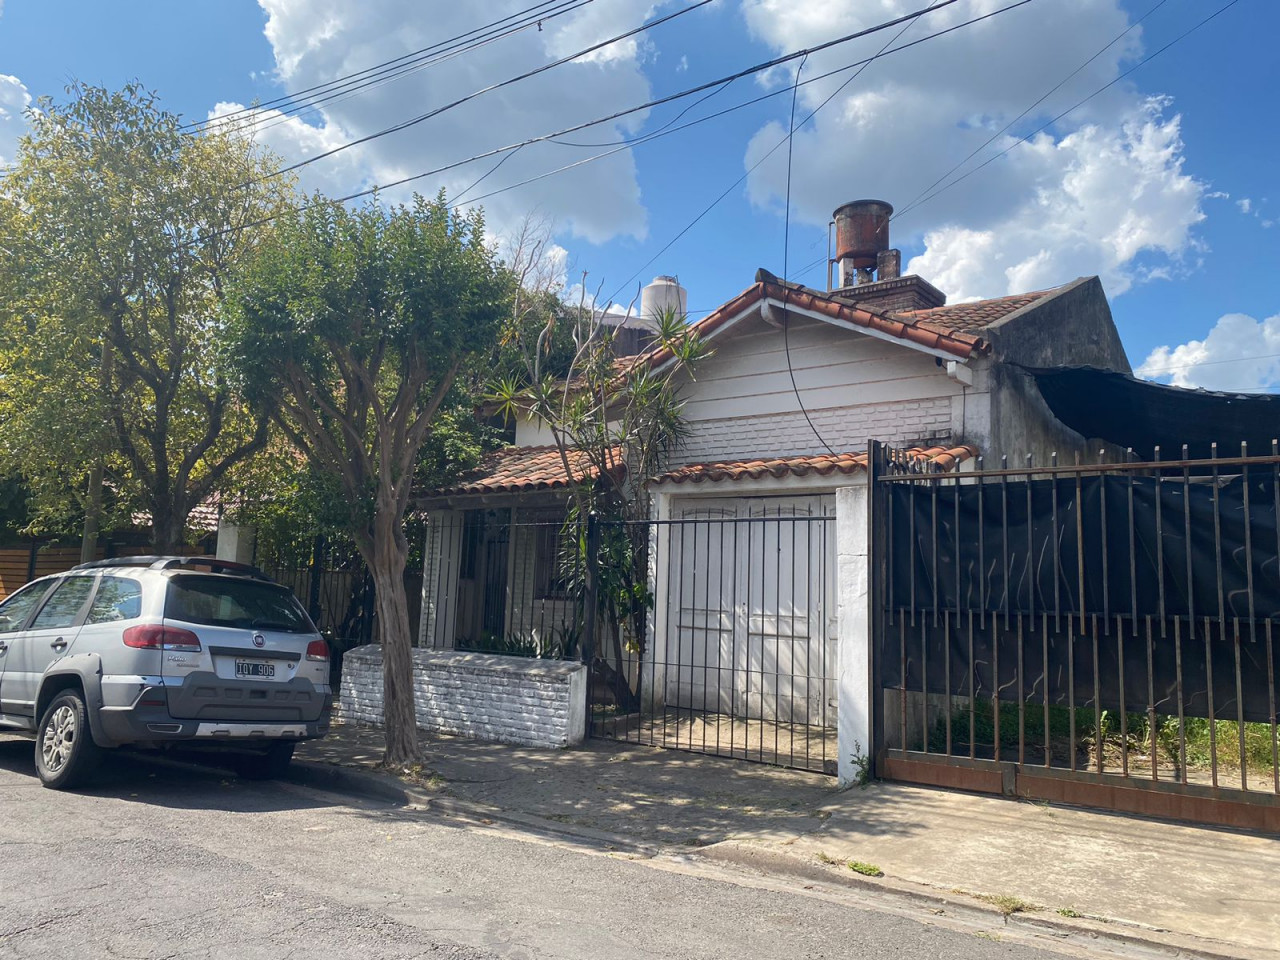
[
  {"x": 120, "y": 234},
  {"x": 352, "y": 328}
]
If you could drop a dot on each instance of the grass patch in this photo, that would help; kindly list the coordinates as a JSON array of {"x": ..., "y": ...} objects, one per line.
[
  {"x": 1068, "y": 912},
  {"x": 1006, "y": 904},
  {"x": 857, "y": 866},
  {"x": 1131, "y": 732}
]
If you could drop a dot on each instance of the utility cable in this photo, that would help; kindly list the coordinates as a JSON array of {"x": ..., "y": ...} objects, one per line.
[
  {"x": 1050, "y": 92},
  {"x": 534, "y": 15},
  {"x": 887, "y": 49},
  {"x": 1073, "y": 108},
  {"x": 341, "y": 96},
  {"x": 369, "y": 191},
  {"x": 396, "y": 128},
  {"x": 786, "y": 252},
  {"x": 666, "y": 129}
]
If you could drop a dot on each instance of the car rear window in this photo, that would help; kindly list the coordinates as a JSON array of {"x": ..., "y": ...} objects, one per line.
[{"x": 227, "y": 602}]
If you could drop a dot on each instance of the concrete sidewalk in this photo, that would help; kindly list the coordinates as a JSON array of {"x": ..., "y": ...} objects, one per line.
[{"x": 1141, "y": 878}]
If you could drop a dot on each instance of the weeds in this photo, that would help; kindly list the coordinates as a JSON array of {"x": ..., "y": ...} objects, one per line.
[{"x": 866, "y": 869}]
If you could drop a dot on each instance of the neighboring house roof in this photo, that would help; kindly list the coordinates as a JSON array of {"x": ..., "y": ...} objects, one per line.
[
  {"x": 938, "y": 459},
  {"x": 523, "y": 470},
  {"x": 972, "y": 316}
]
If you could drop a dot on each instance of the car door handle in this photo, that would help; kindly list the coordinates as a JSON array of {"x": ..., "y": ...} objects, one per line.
[
  {"x": 59, "y": 644},
  {"x": 3, "y": 646}
]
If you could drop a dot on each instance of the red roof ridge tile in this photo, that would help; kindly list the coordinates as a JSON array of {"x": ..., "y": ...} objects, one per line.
[{"x": 944, "y": 457}]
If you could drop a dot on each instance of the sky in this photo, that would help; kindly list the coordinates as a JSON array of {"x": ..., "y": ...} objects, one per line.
[{"x": 1163, "y": 184}]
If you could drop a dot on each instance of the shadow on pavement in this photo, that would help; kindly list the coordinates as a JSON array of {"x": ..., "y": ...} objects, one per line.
[{"x": 182, "y": 781}]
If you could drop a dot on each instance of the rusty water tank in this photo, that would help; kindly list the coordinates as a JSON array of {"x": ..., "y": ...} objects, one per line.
[{"x": 862, "y": 232}]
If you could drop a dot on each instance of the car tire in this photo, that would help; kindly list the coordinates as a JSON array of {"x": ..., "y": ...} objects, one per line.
[
  {"x": 66, "y": 755},
  {"x": 271, "y": 764}
]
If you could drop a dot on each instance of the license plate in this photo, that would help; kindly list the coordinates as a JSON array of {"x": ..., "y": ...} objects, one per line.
[{"x": 257, "y": 669}]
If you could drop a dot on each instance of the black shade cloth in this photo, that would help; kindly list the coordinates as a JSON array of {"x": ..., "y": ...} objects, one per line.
[
  {"x": 1009, "y": 566},
  {"x": 1124, "y": 410}
]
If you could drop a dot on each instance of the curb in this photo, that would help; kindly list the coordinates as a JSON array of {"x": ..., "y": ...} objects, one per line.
[
  {"x": 390, "y": 789},
  {"x": 777, "y": 863}
]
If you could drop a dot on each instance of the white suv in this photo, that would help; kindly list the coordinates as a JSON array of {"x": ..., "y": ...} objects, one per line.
[{"x": 157, "y": 651}]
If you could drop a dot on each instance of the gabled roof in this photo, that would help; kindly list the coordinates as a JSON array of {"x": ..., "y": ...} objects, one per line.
[
  {"x": 523, "y": 470},
  {"x": 938, "y": 459},
  {"x": 956, "y": 330}
]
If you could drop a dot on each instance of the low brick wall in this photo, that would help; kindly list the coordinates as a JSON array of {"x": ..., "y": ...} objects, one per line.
[{"x": 535, "y": 703}]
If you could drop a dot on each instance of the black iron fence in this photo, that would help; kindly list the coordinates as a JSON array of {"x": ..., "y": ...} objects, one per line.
[
  {"x": 1094, "y": 632},
  {"x": 499, "y": 581},
  {"x": 737, "y": 654}
]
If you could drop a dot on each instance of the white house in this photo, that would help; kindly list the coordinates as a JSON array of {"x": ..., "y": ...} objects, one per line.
[{"x": 779, "y": 420}]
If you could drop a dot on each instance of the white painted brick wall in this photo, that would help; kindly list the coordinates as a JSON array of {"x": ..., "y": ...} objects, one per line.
[
  {"x": 535, "y": 703},
  {"x": 846, "y": 429}
]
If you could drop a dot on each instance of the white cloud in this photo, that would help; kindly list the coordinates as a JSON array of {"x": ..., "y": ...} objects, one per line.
[
  {"x": 1087, "y": 197},
  {"x": 1239, "y": 354},
  {"x": 1245, "y": 204},
  {"x": 14, "y": 99},
  {"x": 316, "y": 41}
]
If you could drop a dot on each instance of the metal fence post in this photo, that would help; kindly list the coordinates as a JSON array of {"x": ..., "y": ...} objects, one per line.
[
  {"x": 590, "y": 606},
  {"x": 877, "y": 562}
]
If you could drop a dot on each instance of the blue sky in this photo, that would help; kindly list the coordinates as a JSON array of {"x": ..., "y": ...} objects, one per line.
[{"x": 1164, "y": 185}]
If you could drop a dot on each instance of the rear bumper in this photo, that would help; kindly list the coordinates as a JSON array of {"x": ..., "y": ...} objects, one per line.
[{"x": 150, "y": 718}]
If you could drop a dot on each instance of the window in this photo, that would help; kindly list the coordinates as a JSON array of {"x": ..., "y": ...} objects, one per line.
[
  {"x": 224, "y": 602},
  {"x": 548, "y": 570},
  {"x": 118, "y": 598},
  {"x": 15, "y": 610},
  {"x": 62, "y": 609}
]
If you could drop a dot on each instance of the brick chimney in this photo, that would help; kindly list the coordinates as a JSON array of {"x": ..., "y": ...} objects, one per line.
[{"x": 870, "y": 271}]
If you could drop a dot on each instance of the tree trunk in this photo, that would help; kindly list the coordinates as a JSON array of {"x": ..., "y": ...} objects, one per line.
[
  {"x": 168, "y": 528},
  {"x": 92, "y": 515},
  {"x": 387, "y": 558}
]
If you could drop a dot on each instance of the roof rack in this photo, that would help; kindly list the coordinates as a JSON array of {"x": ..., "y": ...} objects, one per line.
[{"x": 213, "y": 564}]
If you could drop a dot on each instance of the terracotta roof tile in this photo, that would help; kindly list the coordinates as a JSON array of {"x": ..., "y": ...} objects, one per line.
[
  {"x": 941, "y": 458},
  {"x": 964, "y": 317},
  {"x": 522, "y": 470}
]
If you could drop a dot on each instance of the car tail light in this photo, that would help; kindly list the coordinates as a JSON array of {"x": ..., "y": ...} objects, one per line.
[
  {"x": 155, "y": 636},
  {"x": 317, "y": 650}
]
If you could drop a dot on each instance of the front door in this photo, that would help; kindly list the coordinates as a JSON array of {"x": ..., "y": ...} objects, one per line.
[{"x": 49, "y": 637}]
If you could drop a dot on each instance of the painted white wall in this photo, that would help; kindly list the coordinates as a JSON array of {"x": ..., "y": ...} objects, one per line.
[
  {"x": 533, "y": 432},
  {"x": 855, "y": 731},
  {"x": 854, "y": 387},
  {"x": 235, "y": 543}
]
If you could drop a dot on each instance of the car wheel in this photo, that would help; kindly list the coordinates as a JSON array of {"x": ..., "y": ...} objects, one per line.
[
  {"x": 272, "y": 764},
  {"x": 65, "y": 752}
]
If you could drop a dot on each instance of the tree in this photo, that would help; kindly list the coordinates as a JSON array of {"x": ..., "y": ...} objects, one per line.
[
  {"x": 120, "y": 233},
  {"x": 622, "y": 415},
  {"x": 351, "y": 329}
]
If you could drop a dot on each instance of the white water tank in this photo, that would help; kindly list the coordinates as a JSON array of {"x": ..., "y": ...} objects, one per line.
[{"x": 662, "y": 296}]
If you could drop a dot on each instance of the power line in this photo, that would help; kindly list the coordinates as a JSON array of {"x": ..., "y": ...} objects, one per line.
[
  {"x": 314, "y": 107},
  {"x": 404, "y": 125},
  {"x": 910, "y": 18},
  {"x": 487, "y": 33},
  {"x": 1189, "y": 364},
  {"x": 1054, "y": 89},
  {"x": 666, "y": 129},
  {"x": 644, "y": 106},
  {"x": 1071, "y": 109}
]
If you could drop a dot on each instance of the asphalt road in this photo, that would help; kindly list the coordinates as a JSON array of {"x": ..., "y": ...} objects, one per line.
[{"x": 163, "y": 862}]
